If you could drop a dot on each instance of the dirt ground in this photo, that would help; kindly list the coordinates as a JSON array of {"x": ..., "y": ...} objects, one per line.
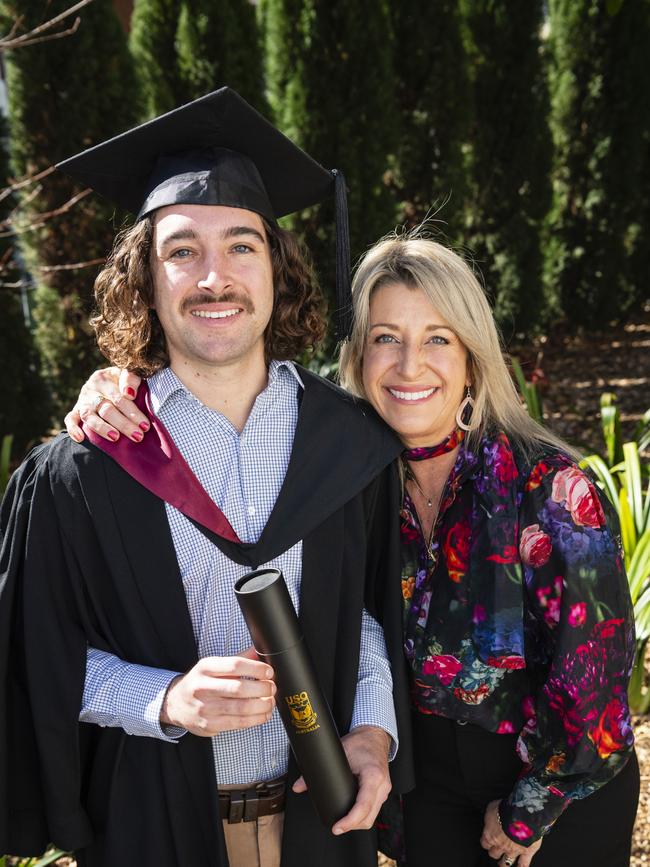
[{"x": 577, "y": 369}]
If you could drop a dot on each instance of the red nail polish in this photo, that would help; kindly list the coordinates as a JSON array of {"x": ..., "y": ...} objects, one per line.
[
  {"x": 113, "y": 435},
  {"x": 137, "y": 436},
  {"x": 144, "y": 425},
  {"x": 130, "y": 392}
]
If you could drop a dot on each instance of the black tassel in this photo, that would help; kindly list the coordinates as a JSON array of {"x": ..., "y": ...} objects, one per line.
[{"x": 344, "y": 311}]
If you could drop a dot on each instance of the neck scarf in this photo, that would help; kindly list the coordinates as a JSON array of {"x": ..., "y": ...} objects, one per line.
[{"x": 423, "y": 453}]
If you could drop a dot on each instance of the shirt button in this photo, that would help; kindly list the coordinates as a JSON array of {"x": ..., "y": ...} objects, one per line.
[
  {"x": 251, "y": 510},
  {"x": 274, "y": 762}
]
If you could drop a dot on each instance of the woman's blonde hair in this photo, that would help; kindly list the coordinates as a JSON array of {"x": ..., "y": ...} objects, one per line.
[{"x": 416, "y": 261}]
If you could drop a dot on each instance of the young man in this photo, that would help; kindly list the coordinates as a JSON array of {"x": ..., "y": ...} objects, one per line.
[{"x": 118, "y": 563}]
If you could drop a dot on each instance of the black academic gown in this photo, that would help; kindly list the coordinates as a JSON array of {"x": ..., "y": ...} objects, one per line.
[{"x": 88, "y": 558}]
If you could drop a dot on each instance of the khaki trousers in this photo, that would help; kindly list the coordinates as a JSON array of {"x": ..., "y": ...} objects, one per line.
[{"x": 255, "y": 844}]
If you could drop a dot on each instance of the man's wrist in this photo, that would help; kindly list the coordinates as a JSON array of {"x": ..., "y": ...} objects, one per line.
[
  {"x": 383, "y": 738},
  {"x": 165, "y": 718}
]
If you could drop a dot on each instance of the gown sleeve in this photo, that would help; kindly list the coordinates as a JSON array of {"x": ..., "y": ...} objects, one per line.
[
  {"x": 580, "y": 646},
  {"x": 42, "y": 663}
]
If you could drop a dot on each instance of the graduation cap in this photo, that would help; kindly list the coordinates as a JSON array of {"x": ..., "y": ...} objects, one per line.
[{"x": 217, "y": 150}]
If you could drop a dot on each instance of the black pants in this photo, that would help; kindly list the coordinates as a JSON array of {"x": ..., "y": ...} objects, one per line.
[{"x": 461, "y": 768}]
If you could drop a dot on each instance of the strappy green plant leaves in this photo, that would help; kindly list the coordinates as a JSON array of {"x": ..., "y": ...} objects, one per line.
[
  {"x": 529, "y": 392},
  {"x": 625, "y": 478},
  {"x": 5, "y": 460},
  {"x": 49, "y": 857}
]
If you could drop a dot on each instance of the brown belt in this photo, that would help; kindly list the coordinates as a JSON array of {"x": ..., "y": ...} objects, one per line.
[{"x": 245, "y": 804}]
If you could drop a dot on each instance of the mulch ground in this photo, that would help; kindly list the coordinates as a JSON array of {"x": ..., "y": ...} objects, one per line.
[{"x": 577, "y": 369}]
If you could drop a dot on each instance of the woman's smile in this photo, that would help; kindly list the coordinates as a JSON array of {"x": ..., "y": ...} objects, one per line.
[{"x": 414, "y": 365}]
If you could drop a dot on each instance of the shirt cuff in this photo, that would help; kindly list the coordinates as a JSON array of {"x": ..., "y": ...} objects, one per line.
[
  {"x": 373, "y": 706},
  {"x": 524, "y": 827},
  {"x": 134, "y": 702}
]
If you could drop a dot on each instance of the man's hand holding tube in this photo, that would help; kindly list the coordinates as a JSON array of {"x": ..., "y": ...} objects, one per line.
[
  {"x": 366, "y": 748},
  {"x": 220, "y": 693}
]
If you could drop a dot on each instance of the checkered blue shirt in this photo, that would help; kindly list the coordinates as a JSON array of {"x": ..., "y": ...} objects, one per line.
[{"x": 244, "y": 483}]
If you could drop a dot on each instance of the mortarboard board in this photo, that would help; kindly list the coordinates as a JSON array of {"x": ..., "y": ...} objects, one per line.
[{"x": 217, "y": 150}]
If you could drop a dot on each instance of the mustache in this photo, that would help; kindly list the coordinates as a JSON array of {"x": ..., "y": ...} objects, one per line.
[{"x": 228, "y": 297}]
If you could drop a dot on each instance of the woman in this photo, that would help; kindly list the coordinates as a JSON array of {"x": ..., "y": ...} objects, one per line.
[{"x": 518, "y": 628}]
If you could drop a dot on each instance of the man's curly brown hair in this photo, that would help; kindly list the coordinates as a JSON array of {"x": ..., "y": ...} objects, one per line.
[{"x": 127, "y": 328}]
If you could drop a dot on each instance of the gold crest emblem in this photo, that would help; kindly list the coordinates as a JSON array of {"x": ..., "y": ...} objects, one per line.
[{"x": 303, "y": 716}]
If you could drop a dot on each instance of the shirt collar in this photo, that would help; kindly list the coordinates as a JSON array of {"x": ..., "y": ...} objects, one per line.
[{"x": 164, "y": 384}]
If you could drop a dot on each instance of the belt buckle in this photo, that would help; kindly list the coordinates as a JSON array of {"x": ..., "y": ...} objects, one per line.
[
  {"x": 243, "y": 806},
  {"x": 236, "y": 807},
  {"x": 251, "y": 805}
]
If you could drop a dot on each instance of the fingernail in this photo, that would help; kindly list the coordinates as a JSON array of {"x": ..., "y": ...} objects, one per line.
[
  {"x": 144, "y": 425},
  {"x": 129, "y": 392},
  {"x": 269, "y": 673},
  {"x": 337, "y": 831},
  {"x": 113, "y": 435},
  {"x": 136, "y": 436}
]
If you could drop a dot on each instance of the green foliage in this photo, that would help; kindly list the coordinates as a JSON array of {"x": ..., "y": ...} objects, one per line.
[
  {"x": 5, "y": 461},
  {"x": 152, "y": 42},
  {"x": 65, "y": 95},
  {"x": 627, "y": 484},
  {"x": 432, "y": 96},
  {"x": 597, "y": 259},
  {"x": 24, "y": 401},
  {"x": 510, "y": 154},
  {"x": 330, "y": 86},
  {"x": 217, "y": 46},
  {"x": 49, "y": 857},
  {"x": 186, "y": 48},
  {"x": 529, "y": 392}
]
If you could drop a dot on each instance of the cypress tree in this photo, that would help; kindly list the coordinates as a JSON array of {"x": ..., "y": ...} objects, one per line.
[
  {"x": 510, "y": 154},
  {"x": 219, "y": 46},
  {"x": 432, "y": 92},
  {"x": 600, "y": 127},
  {"x": 65, "y": 95},
  {"x": 153, "y": 45},
  {"x": 184, "y": 49},
  {"x": 328, "y": 96},
  {"x": 24, "y": 404}
]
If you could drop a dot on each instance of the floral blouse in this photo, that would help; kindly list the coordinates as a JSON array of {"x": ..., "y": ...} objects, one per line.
[{"x": 518, "y": 618}]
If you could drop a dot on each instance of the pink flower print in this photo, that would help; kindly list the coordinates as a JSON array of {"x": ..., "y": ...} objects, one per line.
[
  {"x": 574, "y": 488},
  {"x": 583, "y": 503},
  {"x": 535, "y": 546},
  {"x": 577, "y": 614},
  {"x": 528, "y": 707},
  {"x": 445, "y": 667},
  {"x": 519, "y": 830},
  {"x": 561, "y": 481},
  {"x": 479, "y": 614},
  {"x": 550, "y": 604},
  {"x": 552, "y": 613},
  {"x": 505, "y": 728}
]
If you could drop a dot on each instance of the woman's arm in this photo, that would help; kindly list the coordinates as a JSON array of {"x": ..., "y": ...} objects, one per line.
[{"x": 580, "y": 648}]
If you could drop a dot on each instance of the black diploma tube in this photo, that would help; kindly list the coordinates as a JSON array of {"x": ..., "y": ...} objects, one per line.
[{"x": 272, "y": 622}]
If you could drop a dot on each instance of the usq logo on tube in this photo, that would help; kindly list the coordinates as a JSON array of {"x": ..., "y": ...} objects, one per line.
[{"x": 303, "y": 717}]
